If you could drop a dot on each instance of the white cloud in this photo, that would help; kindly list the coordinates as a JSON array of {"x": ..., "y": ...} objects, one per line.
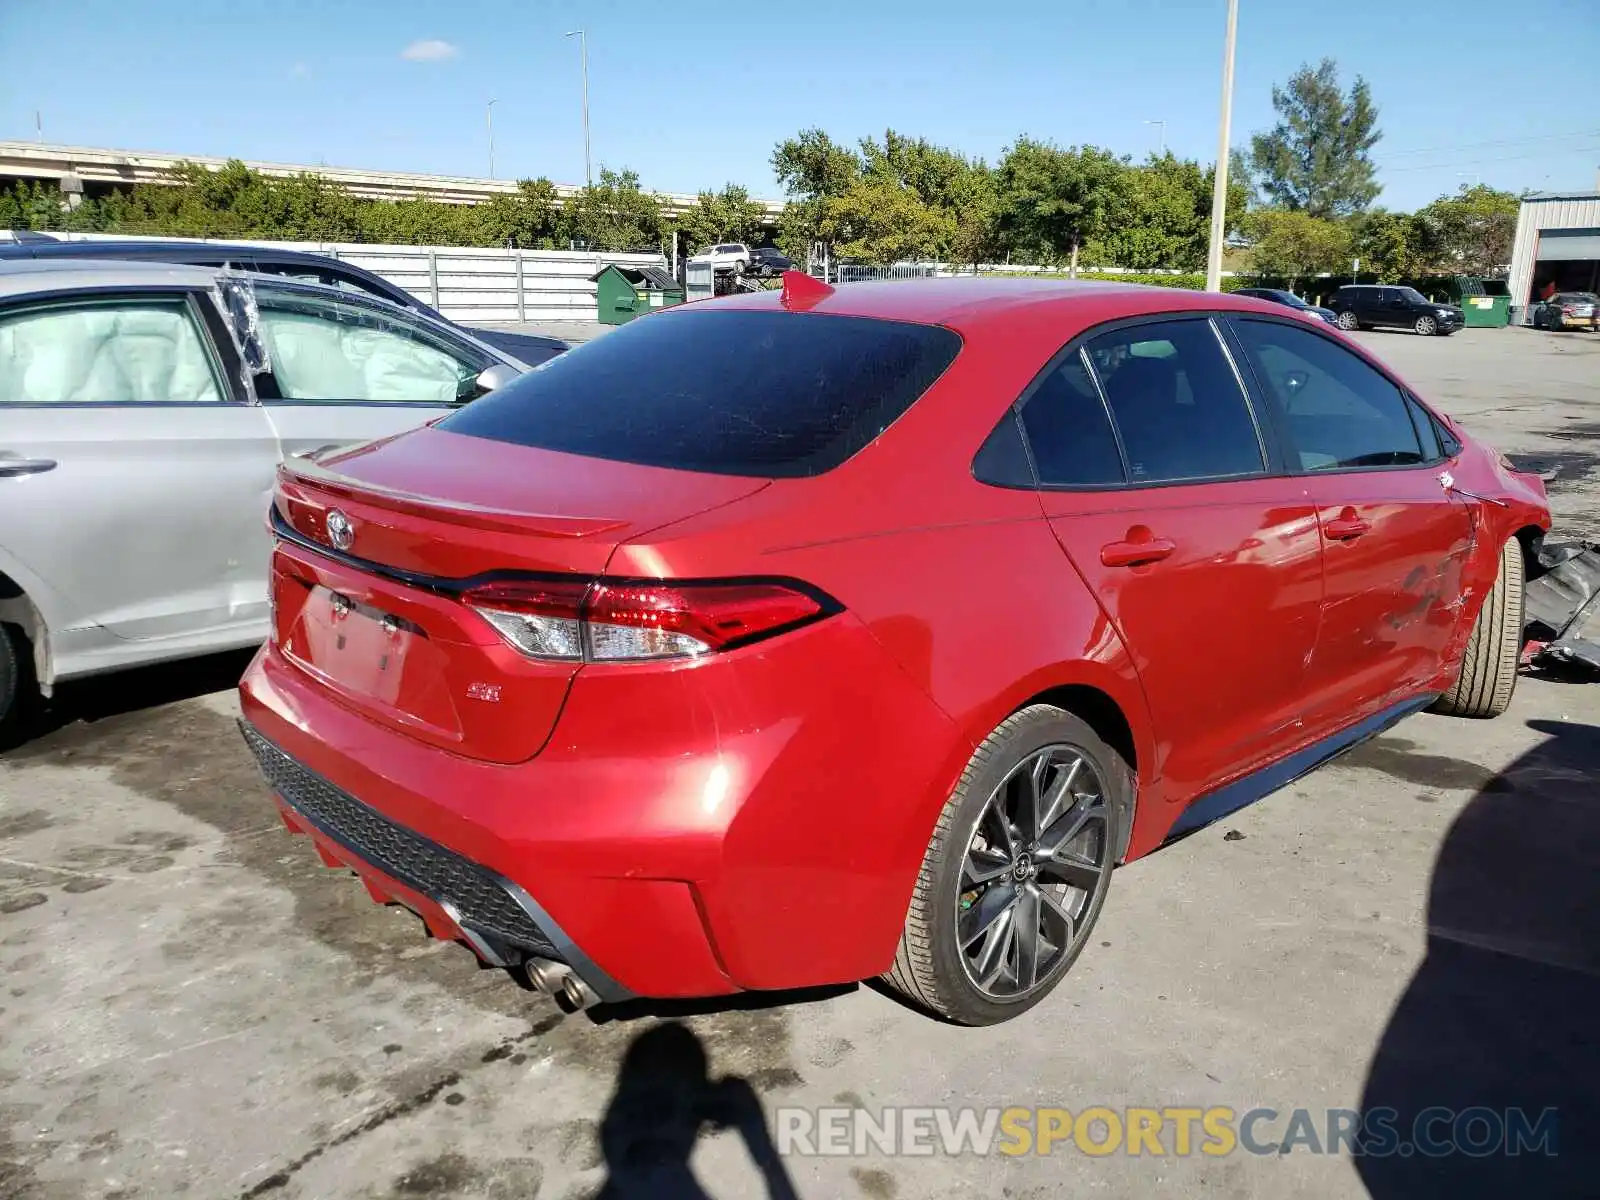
[{"x": 430, "y": 50}]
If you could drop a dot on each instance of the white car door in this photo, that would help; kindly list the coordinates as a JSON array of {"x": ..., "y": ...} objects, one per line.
[
  {"x": 342, "y": 369},
  {"x": 133, "y": 475}
]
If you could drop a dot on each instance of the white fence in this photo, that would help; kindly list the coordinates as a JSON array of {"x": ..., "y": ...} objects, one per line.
[
  {"x": 469, "y": 284},
  {"x": 853, "y": 273}
]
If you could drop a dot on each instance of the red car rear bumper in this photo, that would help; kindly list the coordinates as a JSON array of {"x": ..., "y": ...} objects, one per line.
[{"x": 741, "y": 834}]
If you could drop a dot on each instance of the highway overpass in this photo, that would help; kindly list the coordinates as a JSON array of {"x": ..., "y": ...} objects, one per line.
[{"x": 99, "y": 169}]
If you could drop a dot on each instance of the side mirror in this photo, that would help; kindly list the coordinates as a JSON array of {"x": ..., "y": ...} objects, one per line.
[{"x": 494, "y": 377}]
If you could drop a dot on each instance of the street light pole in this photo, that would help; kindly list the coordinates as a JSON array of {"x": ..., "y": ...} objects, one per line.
[
  {"x": 583, "y": 51},
  {"x": 1219, "y": 191},
  {"x": 1162, "y": 127},
  {"x": 489, "y": 109}
]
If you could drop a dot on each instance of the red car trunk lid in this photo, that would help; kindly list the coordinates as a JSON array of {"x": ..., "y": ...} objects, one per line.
[{"x": 380, "y": 539}]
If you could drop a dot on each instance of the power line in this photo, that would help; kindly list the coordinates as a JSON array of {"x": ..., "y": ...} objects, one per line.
[
  {"x": 1537, "y": 137},
  {"x": 1499, "y": 158}
]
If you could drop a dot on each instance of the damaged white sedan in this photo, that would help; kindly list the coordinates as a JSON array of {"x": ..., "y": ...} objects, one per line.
[{"x": 144, "y": 409}]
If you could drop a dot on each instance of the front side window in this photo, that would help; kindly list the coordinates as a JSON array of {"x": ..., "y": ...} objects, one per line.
[
  {"x": 1176, "y": 401},
  {"x": 106, "y": 352},
  {"x": 334, "y": 351},
  {"x": 1340, "y": 411}
]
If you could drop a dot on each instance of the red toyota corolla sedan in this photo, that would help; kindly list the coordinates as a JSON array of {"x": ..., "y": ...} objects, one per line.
[{"x": 799, "y": 638}]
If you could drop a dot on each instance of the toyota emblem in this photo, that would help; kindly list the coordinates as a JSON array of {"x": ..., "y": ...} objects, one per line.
[{"x": 341, "y": 533}]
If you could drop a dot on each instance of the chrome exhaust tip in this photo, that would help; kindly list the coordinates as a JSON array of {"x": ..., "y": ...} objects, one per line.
[
  {"x": 545, "y": 975},
  {"x": 578, "y": 993}
]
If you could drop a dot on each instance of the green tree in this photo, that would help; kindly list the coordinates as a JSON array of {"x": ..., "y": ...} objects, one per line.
[
  {"x": 933, "y": 172},
  {"x": 958, "y": 190},
  {"x": 1393, "y": 246},
  {"x": 1473, "y": 230},
  {"x": 878, "y": 220},
  {"x": 1053, "y": 200},
  {"x": 974, "y": 209},
  {"x": 614, "y": 214},
  {"x": 726, "y": 216},
  {"x": 1292, "y": 245},
  {"x": 811, "y": 168},
  {"x": 528, "y": 219},
  {"x": 1166, "y": 223},
  {"x": 31, "y": 205},
  {"x": 1317, "y": 158}
]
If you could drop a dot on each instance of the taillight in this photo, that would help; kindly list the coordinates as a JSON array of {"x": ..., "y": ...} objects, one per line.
[
  {"x": 541, "y": 619},
  {"x": 604, "y": 621}
]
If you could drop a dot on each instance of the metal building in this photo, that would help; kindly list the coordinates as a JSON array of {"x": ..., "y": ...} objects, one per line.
[{"x": 1557, "y": 248}]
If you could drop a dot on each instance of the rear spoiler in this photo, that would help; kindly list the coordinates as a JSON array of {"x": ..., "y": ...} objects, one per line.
[{"x": 299, "y": 473}]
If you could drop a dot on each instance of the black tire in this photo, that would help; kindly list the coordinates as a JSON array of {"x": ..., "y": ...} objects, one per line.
[
  {"x": 930, "y": 967},
  {"x": 1489, "y": 667},
  {"x": 10, "y": 680},
  {"x": 1347, "y": 322},
  {"x": 1425, "y": 326}
]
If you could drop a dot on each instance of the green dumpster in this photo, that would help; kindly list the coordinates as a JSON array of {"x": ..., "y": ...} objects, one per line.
[
  {"x": 623, "y": 293},
  {"x": 1486, "y": 304}
]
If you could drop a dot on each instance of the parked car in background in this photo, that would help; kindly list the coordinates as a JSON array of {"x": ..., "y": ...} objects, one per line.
[
  {"x": 144, "y": 409},
  {"x": 1290, "y": 300},
  {"x": 872, "y": 652},
  {"x": 768, "y": 261},
  {"x": 532, "y": 349},
  {"x": 1371, "y": 305},
  {"x": 727, "y": 256},
  {"x": 1568, "y": 310}
]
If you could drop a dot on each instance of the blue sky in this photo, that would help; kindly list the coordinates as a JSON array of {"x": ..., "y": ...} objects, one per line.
[{"x": 694, "y": 94}]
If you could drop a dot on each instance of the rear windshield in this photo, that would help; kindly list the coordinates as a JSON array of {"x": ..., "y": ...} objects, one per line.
[{"x": 772, "y": 394}]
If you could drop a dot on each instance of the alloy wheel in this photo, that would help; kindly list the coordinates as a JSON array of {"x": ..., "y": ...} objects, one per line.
[
  {"x": 1347, "y": 320},
  {"x": 1427, "y": 326},
  {"x": 1038, "y": 855}
]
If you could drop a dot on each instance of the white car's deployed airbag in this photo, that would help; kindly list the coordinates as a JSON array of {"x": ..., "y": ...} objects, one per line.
[{"x": 135, "y": 353}]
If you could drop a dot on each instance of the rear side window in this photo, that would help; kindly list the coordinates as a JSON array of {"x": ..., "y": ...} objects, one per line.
[
  {"x": 129, "y": 351},
  {"x": 729, "y": 393},
  {"x": 1341, "y": 412},
  {"x": 1177, "y": 402},
  {"x": 1068, "y": 430}
]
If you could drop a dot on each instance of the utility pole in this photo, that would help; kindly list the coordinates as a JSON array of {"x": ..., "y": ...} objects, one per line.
[
  {"x": 1219, "y": 192},
  {"x": 583, "y": 51},
  {"x": 1162, "y": 127},
  {"x": 489, "y": 109}
]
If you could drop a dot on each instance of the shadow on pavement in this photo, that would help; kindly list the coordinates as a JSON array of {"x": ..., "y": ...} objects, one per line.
[
  {"x": 1504, "y": 1011},
  {"x": 645, "y": 1008},
  {"x": 100, "y": 696},
  {"x": 665, "y": 1100}
]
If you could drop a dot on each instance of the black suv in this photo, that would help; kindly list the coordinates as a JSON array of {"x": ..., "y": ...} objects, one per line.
[
  {"x": 1365, "y": 305},
  {"x": 768, "y": 261}
]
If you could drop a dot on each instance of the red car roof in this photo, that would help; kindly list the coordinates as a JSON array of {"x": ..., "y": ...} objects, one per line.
[{"x": 964, "y": 304}]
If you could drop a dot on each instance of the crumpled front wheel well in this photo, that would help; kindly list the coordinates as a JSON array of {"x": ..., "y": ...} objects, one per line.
[{"x": 19, "y": 612}]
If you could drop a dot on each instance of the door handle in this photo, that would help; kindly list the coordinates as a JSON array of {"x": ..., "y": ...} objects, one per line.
[
  {"x": 1133, "y": 554},
  {"x": 10, "y": 467},
  {"x": 1345, "y": 529}
]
